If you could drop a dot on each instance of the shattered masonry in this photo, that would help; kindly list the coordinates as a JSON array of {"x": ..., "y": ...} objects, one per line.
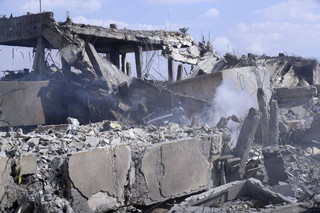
[{"x": 89, "y": 137}]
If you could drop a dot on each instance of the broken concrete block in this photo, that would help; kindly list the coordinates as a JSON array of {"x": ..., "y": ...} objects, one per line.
[
  {"x": 274, "y": 165},
  {"x": 28, "y": 165},
  {"x": 295, "y": 96},
  {"x": 100, "y": 176},
  {"x": 102, "y": 202},
  {"x": 92, "y": 172},
  {"x": 290, "y": 80},
  {"x": 183, "y": 173},
  {"x": 33, "y": 142},
  {"x": 171, "y": 170},
  {"x": 122, "y": 163},
  {"x": 92, "y": 141},
  {"x": 251, "y": 188},
  {"x": 152, "y": 171},
  {"x": 265, "y": 117},
  {"x": 283, "y": 188},
  {"x": 274, "y": 122}
]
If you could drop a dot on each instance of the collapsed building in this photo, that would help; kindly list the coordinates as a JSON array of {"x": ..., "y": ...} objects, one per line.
[{"x": 90, "y": 137}]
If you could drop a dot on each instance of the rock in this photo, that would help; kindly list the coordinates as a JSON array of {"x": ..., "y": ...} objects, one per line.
[
  {"x": 173, "y": 169},
  {"x": 73, "y": 123},
  {"x": 33, "y": 142},
  {"x": 274, "y": 164},
  {"x": 101, "y": 202},
  {"x": 28, "y": 165},
  {"x": 92, "y": 141},
  {"x": 97, "y": 171},
  {"x": 284, "y": 189},
  {"x": 91, "y": 172}
]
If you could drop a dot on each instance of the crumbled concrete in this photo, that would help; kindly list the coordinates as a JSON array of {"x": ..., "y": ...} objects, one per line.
[{"x": 116, "y": 165}]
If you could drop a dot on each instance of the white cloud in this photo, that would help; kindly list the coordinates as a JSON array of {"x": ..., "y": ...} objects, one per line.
[
  {"x": 222, "y": 45},
  {"x": 169, "y": 2},
  {"x": 274, "y": 37},
  {"x": 121, "y": 25},
  {"x": 291, "y": 27},
  {"x": 50, "y": 5},
  {"x": 211, "y": 13},
  {"x": 304, "y": 10}
]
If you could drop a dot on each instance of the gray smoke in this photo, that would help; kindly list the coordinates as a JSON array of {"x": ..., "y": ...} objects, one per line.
[{"x": 228, "y": 101}]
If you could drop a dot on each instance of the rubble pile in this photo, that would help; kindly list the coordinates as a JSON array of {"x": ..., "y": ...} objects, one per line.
[{"x": 35, "y": 160}]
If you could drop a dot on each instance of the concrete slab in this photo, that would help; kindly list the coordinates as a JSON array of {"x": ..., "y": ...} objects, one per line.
[
  {"x": 150, "y": 163},
  {"x": 28, "y": 165},
  {"x": 122, "y": 165},
  {"x": 91, "y": 172},
  {"x": 185, "y": 168},
  {"x": 175, "y": 169}
]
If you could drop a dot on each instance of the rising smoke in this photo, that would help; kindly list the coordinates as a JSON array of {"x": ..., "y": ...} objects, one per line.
[{"x": 228, "y": 101}]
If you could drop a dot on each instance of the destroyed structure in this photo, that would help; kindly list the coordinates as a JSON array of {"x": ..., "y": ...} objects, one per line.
[{"x": 89, "y": 137}]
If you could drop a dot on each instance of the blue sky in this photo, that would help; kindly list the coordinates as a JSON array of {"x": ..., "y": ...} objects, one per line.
[{"x": 257, "y": 26}]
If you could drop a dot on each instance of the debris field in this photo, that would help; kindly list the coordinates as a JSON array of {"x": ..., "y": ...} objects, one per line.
[{"x": 93, "y": 133}]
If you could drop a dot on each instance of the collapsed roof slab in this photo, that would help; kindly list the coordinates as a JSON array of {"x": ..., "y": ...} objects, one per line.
[
  {"x": 24, "y": 31},
  {"x": 128, "y": 39}
]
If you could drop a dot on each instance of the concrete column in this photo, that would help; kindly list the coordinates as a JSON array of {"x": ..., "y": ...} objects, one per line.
[
  {"x": 123, "y": 62},
  {"x": 170, "y": 69},
  {"x": 39, "y": 63},
  {"x": 128, "y": 68},
  {"x": 139, "y": 61},
  {"x": 246, "y": 138},
  {"x": 265, "y": 117},
  {"x": 274, "y": 122},
  {"x": 114, "y": 55},
  {"x": 180, "y": 71}
]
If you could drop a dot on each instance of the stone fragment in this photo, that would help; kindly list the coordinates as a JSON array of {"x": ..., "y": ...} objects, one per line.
[
  {"x": 174, "y": 169},
  {"x": 152, "y": 169},
  {"x": 265, "y": 117},
  {"x": 284, "y": 189},
  {"x": 250, "y": 188},
  {"x": 33, "y": 142},
  {"x": 92, "y": 141},
  {"x": 183, "y": 173},
  {"x": 101, "y": 202},
  {"x": 91, "y": 172},
  {"x": 100, "y": 176},
  {"x": 274, "y": 165},
  {"x": 274, "y": 122},
  {"x": 28, "y": 165}
]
